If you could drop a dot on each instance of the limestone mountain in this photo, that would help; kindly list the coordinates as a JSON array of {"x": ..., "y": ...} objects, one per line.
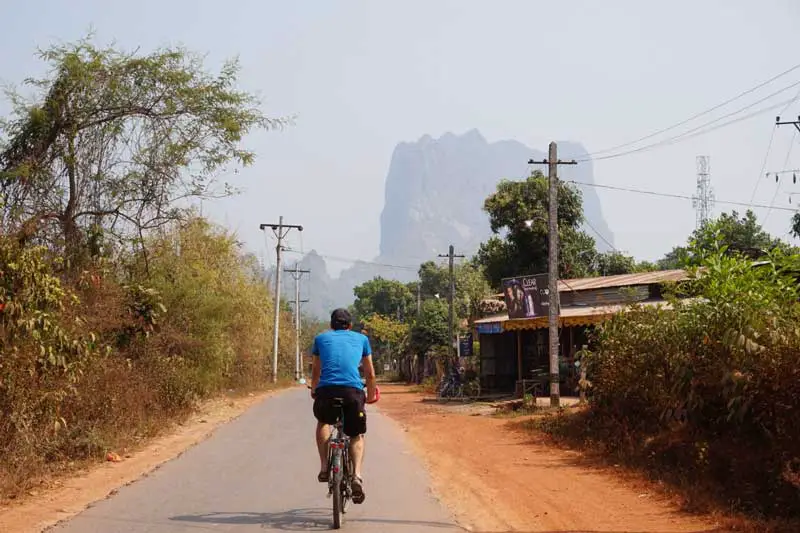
[{"x": 434, "y": 194}]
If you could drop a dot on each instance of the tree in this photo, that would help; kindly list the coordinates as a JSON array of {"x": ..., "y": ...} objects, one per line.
[
  {"x": 739, "y": 235},
  {"x": 389, "y": 336},
  {"x": 113, "y": 141},
  {"x": 615, "y": 263},
  {"x": 471, "y": 286},
  {"x": 518, "y": 209},
  {"x": 383, "y": 297},
  {"x": 430, "y": 329}
]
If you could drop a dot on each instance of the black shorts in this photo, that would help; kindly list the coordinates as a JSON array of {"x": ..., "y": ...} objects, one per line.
[{"x": 355, "y": 417}]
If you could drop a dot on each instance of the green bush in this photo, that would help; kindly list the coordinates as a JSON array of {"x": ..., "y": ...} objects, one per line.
[{"x": 711, "y": 386}]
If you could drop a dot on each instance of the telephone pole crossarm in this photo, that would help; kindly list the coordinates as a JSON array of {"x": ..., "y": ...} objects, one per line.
[
  {"x": 554, "y": 310},
  {"x": 795, "y": 123}
]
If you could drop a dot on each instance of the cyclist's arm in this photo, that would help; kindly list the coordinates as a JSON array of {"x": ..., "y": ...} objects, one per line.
[
  {"x": 316, "y": 367},
  {"x": 369, "y": 370},
  {"x": 369, "y": 375},
  {"x": 315, "y": 372}
]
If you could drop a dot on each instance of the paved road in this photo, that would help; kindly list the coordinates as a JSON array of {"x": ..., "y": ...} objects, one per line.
[{"x": 258, "y": 473}]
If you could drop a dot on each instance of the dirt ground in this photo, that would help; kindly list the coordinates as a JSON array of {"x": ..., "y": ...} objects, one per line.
[
  {"x": 65, "y": 498},
  {"x": 497, "y": 478}
]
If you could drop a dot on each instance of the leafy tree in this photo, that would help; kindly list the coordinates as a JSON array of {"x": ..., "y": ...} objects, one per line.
[
  {"x": 389, "y": 336},
  {"x": 518, "y": 211},
  {"x": 112, "y": 141},
  {"x": 430, "y": 330},
  {"x": 615, "y": 263},
  {"x": 739, "y": 235},
  {"x": 471, "y": 286},
  {"x": 383, "y": 297}
]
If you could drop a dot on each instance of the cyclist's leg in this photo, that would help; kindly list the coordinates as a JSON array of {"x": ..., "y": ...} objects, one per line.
[
  {"x": 325, "y": 415},
  {"x": 322, "y": 434},
  {"x": 355, "y": 426}
]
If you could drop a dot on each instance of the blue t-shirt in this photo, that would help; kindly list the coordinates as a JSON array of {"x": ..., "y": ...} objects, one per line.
[{"x": 340, "y": 352}]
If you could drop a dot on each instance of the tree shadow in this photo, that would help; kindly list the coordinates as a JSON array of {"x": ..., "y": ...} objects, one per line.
[{"x": 300, "y": 520}]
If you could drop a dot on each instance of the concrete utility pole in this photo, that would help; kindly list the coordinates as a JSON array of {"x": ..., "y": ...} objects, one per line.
[
  {"x": 297, "y": 274},
  {"x": 281, "y": 230},
  {"x": 451, "y": 298},
  {"x": 552, "y": 163}
]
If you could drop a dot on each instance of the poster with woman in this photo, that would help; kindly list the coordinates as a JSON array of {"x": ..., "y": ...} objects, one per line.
[{"x": 526, "y": 296}]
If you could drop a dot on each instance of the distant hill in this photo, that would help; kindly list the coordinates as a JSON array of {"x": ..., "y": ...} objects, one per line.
[{"x": 434, "y": 195}]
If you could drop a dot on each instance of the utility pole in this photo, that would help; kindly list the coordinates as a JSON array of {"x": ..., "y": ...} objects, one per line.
[
  {"x": 419, "y": 297},
  {"x": 297, "y": 274},
  {"x": 280, "y": 230},
  {"x": 552, "y": 163},
  {"x": 299, "y": 356},
  {"x": 451, "y": 297}
]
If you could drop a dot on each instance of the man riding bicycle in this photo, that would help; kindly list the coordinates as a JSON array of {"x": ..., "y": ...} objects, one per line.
[{"x": 334, "y": 374}]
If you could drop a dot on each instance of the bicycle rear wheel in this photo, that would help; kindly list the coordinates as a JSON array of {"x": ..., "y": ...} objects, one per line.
[{"x": 337, "y": 505}]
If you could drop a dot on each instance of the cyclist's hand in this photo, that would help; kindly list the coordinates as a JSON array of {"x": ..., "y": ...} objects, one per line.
[
  {"x": 313, "y": 392},
  {"x": 373, "y": 398}
]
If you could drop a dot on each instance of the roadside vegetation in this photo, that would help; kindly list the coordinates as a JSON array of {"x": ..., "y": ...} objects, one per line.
[
  {"x": 704, "y": 395},
  {"x": 120, "y": 308}
]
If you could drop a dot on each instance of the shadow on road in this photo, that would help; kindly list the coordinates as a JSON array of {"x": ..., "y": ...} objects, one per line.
[{"x": 300, "y": 520}]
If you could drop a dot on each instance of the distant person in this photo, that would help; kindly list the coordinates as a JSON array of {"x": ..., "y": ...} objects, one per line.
[{"x": 338, "y": 353}]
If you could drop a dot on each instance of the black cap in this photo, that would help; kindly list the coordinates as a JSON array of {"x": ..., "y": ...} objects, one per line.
[{"x": 341, "y": 319}]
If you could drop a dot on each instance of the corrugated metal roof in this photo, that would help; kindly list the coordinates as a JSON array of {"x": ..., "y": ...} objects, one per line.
[
  {"x": 572, "y": 312},
  {"x": 622, "y": 280}
]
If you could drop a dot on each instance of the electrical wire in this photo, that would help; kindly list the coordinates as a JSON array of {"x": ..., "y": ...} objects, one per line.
[
  {"x": 764, "y": 164},
  {"x": 698, "y": 115},
  {"x": 698, "y": 130},
  {"x": 600, "y": 235},
  {"x": 769, "y": 147},
  {"x": 354, "y": 261},
  {"x": 669, "y": 195},
  {"x": 778, "y": 185}
]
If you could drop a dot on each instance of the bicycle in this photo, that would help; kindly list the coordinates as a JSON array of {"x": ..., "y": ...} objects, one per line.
[{"x": 340, "y": 466}]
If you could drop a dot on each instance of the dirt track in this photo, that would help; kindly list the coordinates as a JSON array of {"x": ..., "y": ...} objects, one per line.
[{"x": 495, "y": 477}]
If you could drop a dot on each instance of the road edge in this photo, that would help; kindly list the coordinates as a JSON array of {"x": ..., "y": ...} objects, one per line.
[{"x": 79, "y": 492}]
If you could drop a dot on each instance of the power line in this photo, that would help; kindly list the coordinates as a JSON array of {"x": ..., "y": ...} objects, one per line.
[
  {"x": 354, "y": 261},
  {"x": 698, "y": 115},
  {"x": 769, "y": 147},
  {"x": 670, "y": 195},
  {"x": 600, "y": 235},
  {"x": 777, "y": 176},
  {"x": 764, "y": 164},
  {"x": 697, "y": 131}
]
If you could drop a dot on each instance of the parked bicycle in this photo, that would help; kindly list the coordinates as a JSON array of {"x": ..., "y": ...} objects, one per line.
[{"x": 454, "y": 386}]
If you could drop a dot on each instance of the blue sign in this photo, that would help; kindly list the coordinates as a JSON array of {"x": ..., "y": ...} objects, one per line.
[
  {"x": 488, "y": 328},
  {"x": 465, "y": 346}
]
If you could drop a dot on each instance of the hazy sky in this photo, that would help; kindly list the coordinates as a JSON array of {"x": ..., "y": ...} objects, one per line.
[{"x": 362, "y": 76}]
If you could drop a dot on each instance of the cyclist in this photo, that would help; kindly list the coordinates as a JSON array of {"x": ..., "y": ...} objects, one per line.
[{"x": 334, "y": 374}]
